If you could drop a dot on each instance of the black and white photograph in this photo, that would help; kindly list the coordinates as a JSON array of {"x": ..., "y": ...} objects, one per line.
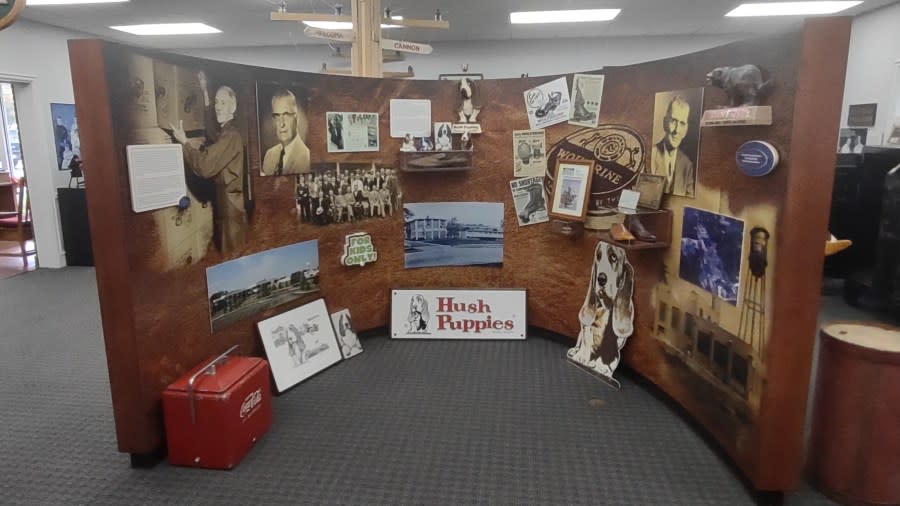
[
  {"x": 529, "y": 153},
  {"x": 676, "y": 137},
  {"x": 241, "y": 288},
  {"x": 587, "y": 95},
  {"x": 572, "y": 183},
  {"x": 711, "y": 246},
  {"x": 65, "y": 134},
  {"x": 530, "y": 200},
  {"x": 350, "y": 132},
  {"x": 651, "y": 188},
  {"x": 453, "y": 234},
  {"x": 347, "y": 192},
  {"x": 346, "y": 336},
  {"x": 852, "y": 140},
  {"x": 299, "y": 343},
  {"x": 443, "y": 136},
  {"x": 548, "y": 104},
  {"x": 283, "y": 129}
]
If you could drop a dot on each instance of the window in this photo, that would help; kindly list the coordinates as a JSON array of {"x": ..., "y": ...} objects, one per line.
[
  {"x": 676, "y": 318},
  {"x": 689, "y": 324},
  {"x": 663, "y": 309},
  {"x": 704, "y": 343},
  {"x": 10, "y": 146}
]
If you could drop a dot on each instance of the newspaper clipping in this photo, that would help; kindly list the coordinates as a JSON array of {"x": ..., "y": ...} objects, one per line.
[
  {"x": 587, "y": 92},
  {"x": 530, "y": 200},
  {"x": 529, "y": 153}
]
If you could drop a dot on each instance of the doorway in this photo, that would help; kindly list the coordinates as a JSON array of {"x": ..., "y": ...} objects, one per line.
[{"x": 14, "y": 204}]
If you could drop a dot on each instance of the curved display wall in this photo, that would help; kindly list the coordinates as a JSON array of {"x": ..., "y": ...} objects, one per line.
[{"x": 738, "y": 362}]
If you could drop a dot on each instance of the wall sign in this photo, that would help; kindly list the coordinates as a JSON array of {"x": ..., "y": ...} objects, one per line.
[
  {"x": 9, "y": 11},
  {"x": 757, "y": 158},
  {"x": 358, "y": 250},
  {"x": 458, "y": 314},
  {"x": 862, "y": 115}
]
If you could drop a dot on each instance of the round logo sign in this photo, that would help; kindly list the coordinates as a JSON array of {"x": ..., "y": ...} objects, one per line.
[
  {"x": 9, "y": 11},
  {"x": 757, "y": 158},
  {"x": 618, "y": 154}
]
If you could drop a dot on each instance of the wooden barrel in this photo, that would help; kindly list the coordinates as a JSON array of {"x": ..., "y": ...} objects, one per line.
[{"x": 855, "y": 443}]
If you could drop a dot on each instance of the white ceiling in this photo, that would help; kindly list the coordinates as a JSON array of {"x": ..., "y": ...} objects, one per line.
[{"x": 246, "y": 22}]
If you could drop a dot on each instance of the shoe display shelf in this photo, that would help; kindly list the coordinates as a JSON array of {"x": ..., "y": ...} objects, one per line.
[{"x": 657, "y": 222}]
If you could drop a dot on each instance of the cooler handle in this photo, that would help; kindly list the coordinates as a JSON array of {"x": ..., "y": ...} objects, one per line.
[{"x": 210, "y": 369}]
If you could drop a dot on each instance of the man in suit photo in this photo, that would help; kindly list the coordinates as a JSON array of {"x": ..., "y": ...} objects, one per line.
[
  {"x": 669, "y": 159},
  {"x": 290, "y": 155}
]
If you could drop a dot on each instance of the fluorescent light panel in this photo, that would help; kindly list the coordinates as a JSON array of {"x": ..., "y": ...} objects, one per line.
[
  {"x": 33, "y": 3},
  {"x": 342, "y": 25},
  {"x": 168, "y": 29},
  {"x": 570, "y": 16},
  {"x": 791, "y": 8}
]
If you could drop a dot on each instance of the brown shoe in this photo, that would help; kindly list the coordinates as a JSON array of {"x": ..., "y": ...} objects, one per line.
[
  {"x": 620, "y": 233},
  {"x": 637, "y": 228}
]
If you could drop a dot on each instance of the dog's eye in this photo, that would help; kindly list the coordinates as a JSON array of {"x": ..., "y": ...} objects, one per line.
[{"x": 613, "y": 258}]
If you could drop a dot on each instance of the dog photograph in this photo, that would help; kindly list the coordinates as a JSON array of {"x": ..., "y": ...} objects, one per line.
[
  {"x": 346, "y": 336},
  {"x": 711, "y": 246},
  {"x": 607, "y": 314}
]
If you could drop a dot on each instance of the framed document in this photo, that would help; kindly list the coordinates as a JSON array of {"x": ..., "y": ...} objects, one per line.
[{"x": 571, "y": 189}]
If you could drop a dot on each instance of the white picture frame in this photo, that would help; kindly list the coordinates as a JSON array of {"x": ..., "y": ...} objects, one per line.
[{"x": 299, "y": 343}]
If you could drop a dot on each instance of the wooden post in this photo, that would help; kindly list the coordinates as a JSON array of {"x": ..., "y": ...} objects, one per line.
[{"x": 366, "y": 53}]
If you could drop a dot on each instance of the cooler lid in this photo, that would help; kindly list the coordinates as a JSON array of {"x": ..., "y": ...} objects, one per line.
[{"x": 226, "y": 373}]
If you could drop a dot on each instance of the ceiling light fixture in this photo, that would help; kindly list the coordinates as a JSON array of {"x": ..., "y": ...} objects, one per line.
[
  {"x": 571, "y": 16},
  {"x": 343, "y": 25},
  {"x": 168, "y": 29},
  {"x": 791, "y": 8},
  {"x": 33, "y": 3}
]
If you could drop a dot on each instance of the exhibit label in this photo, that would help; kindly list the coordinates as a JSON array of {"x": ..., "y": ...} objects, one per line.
[
  {"x": 458, "y": 314},
  {"x": 406, "y": 47},
  {"x": 336, "y": 35},
  {"x": 757, "y": 158}
]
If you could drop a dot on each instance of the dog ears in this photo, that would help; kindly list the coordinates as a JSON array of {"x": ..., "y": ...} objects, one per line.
[{"x": 623, "y": 311}]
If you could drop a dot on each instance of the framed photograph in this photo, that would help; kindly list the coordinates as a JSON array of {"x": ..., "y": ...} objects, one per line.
[
  {"x": 852, "y": 140},
  {"x": 65, "y": 134},
  {"x": 453, "y": 234},
  {"x": 346, "y": 336},
  {"x": 571, "y": 189},
  {"x": 651, "y": 188},
  {"x": 299, "y": 343},
  {"x": 862, "y": 115},
  {"x": 283, "y": 129},
  {"x": 711, "y": 246},
  {"x": 351, "y": 132}
]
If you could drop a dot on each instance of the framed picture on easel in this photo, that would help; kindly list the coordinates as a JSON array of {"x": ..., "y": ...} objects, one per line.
[{"x": 571, "y": 189}]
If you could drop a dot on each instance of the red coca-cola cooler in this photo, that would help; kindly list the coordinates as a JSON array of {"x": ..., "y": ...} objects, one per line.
[{"x": 217, "y": 411}]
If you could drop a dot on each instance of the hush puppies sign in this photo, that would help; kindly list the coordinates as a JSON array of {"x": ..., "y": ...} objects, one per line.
[{"x": 458, "y": 314}]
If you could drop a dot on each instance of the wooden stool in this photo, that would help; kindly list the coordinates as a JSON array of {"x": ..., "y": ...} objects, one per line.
[{"x": 855, "y": 441}]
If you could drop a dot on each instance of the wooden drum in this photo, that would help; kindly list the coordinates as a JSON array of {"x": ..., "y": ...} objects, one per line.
[{"x": 855, "y": 443}]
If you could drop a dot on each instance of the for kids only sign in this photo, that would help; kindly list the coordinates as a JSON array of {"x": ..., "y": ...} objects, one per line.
[{"x": 458, "y": 314}]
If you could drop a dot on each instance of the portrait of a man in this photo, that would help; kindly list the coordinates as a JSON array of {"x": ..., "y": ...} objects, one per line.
[
  {"x": 676, "y": 151},
  {"x": 220, "y": 158},
  {"x": 282, "y": 130}
]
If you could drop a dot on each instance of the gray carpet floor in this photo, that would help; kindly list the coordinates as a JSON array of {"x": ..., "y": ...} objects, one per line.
[{"x": 409, "y": 422}]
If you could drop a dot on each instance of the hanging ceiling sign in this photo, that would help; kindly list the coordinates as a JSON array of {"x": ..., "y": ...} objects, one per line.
[
  {"x": 335, "y": 35},
  {"x": 406, "y": 47},
  {"x": 10, "y": 10}
]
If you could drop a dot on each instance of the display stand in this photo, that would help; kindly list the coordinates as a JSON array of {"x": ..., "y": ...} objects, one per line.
[
  {"x": 436, "y": 161},
  {"x": 658, "y": 222}
]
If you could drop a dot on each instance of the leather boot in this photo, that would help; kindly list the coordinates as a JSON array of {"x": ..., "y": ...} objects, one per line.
[{"x": 637, "y": 228}]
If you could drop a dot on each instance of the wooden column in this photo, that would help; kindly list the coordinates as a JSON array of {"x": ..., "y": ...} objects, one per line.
[{"x": 366, "y": 53}]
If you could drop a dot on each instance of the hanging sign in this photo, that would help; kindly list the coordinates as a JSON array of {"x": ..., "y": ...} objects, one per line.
[
  {"x": 358, "y": 250},
  {"x": 757, "y": 158},
  {"x": 406, "y": 47},
  {"x": 335, "y": 35},
  {"x": 10, "y": 10}
]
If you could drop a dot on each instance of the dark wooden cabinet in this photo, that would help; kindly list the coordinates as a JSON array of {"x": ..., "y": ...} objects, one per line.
[{"x": 76, "y": 229}]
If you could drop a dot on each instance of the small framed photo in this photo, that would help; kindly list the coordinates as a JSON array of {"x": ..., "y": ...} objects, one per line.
[
  {"x": 651, "y": 188},
  {"x": 299, "y": 343},
  {"x": 571, "y": 189}
]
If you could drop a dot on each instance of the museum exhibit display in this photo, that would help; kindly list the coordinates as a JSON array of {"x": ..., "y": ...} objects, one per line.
[{"x": 696, "y": 310}]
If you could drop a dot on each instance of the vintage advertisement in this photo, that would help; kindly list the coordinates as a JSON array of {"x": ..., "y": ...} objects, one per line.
[
  {"x": 530, "y": 200},
  {"x": 350, "y": 132},
  {"x": 299, "y": 343},
  {"x": 587, "y": 94},
  {"x": 529, "y": 153},
  {"x": 458, "y": 314},
  {"x": 548, "y": 104}
]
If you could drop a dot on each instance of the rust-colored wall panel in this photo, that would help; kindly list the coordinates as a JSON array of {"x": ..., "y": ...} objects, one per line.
[{"x": 163, "y": 329}]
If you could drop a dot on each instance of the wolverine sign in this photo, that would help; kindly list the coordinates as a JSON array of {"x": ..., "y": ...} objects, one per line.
[
  {"x": 619, "y": 156},
  {"x": 458, "y": 314}
]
